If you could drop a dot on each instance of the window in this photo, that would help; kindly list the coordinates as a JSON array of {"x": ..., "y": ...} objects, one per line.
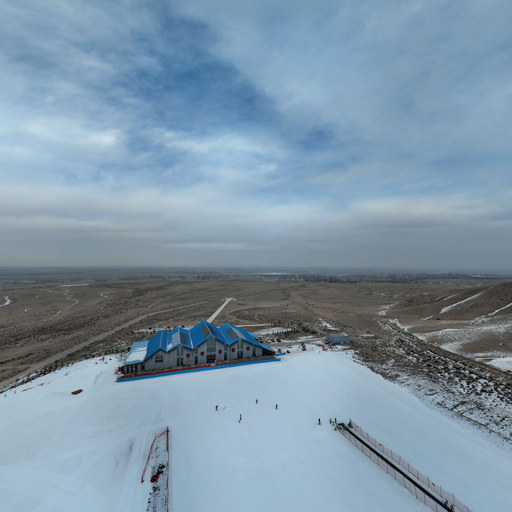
[
  {"x": 248, "y": 348},
  {"x": 202, "y": 353},
  {"x": 159, "y": 358},
  {"x": 188, "y": 355},
  {"x": 233, "y": 349},
  {"x": 220, "y": 351}
]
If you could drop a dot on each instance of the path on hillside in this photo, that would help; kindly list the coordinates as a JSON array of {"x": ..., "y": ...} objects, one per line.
[
  {"x": 52, "y": 359},
  {"x": 214, "y": 316}
]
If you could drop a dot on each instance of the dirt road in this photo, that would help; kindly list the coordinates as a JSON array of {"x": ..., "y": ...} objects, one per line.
[{"x": 61, "y": 355}]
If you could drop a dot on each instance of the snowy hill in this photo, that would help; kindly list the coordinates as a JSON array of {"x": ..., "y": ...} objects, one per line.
[{"x": 87, "y": 452}]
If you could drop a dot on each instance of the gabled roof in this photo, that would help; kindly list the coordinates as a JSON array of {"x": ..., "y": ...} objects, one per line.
[
  {"x": 178, "y": 336},
  {"x": 167, "y": 341},
  {"x": 202, "y": 331},
  {"x": 137, "y": 353},
  {"x": 233, "y": 334}
]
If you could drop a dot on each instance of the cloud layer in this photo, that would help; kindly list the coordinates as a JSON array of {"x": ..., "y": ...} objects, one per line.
[{"x": 241, "y": 133}]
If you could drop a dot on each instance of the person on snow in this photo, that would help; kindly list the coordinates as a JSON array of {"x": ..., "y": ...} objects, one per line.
[
  {"x": 256, "y": 400},
  {"x": 276, "y": 407},
  {"x": 216, "y": 407},
  {"x": 330, "y": 421},
  {"x": 240, "y": 419},
  {"x": 319, "y": 421}
]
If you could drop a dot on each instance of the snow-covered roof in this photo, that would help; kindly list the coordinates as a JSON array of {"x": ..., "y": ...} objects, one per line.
[
  {"x": 137, "y": 353},
  {"x": 191, "y": 339}
]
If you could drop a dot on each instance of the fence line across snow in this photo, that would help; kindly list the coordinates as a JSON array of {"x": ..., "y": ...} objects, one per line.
[{"x": 416, "y": 483}]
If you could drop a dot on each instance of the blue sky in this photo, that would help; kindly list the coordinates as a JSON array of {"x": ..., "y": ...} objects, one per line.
[{"x": 326, "y": 133}]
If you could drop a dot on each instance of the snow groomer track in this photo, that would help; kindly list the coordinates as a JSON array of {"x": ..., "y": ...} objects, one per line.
[{"x": 432, "y": 495}]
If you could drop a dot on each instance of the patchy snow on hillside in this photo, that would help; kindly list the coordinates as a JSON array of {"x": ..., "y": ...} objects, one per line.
[
  {"x": 272, "y": 330},
  {"x": 61, "y": 452},
  {"x": 503, "y": 363},
  {"x": 327, "y": 325},
  {"x": 500, "y": 309},
  {"x": 385, "y": 308},
  {"x": 449, "y": 308},
  {"x": 454, "y": 338}
]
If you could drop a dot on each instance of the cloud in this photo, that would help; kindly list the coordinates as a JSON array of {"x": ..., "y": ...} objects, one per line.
[{"x": 256, "y": 133}]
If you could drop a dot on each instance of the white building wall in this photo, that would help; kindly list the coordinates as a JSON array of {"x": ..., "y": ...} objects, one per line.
[
  {"x": 220, "y": 350},
  {"x": 172, "y": 358},
  {"x": 259, "y": 351},
  {"x": 232, "y": 354},
  {"x": 247, "y": 349},
  {"x": 201, "y": 359},
  {"x": 150, "y": 364},
  {"x": 188, "y": 360}
]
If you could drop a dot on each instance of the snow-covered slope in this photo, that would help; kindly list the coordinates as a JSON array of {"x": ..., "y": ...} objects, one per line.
[{"x": 87, "y": 452}]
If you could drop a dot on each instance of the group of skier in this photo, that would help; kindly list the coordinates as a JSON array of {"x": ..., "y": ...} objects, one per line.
[
  {"x": 240, "y": 418},
  {"x": 334, "y": 423}
]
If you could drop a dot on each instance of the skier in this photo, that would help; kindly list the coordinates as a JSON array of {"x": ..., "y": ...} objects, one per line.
[
  {"x": 319, "y": 421},
  {"x": 256, "y": 400},
  {"x": 276, "y": 407},
  {"x": 216, "y": 407},
  {"x": 330, "y": 421},
  {"x": 240, "y": 419}
]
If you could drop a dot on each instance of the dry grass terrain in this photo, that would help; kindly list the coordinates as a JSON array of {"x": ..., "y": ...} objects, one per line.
[{"x": 44, "y": 325}]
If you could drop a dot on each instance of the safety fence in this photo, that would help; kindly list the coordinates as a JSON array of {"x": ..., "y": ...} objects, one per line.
[
  {"x": 159, "y": 497},
  {"x": 426, "y": 491}
]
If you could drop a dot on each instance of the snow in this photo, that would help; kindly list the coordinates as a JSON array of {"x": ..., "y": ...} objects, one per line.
[
  {"x": 385, "y": 308},
  {"x": 61, "y": 452},
  {"x": 6, "y": 303},
  {"x": 327, "y": 325},
  {"x": 225, "y": 303},
  {"x": 501, "y": 309},
  {"x": 503, "y": 363},
  {"x": 448, "y": 308},
  {"x": 137, "y": 352},
  {"x": 457, "y": 337},
  {"x": 272, "y": 330},
  {"x": 398, "y": 324}
]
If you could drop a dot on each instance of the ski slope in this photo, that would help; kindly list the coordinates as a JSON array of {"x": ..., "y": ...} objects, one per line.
[{"x": 61, "y": 452}]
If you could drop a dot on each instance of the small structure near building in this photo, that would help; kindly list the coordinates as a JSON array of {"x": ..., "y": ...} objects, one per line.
[
  {"x": 201, "y": 345},
  {"x": 337, "y": 338}
]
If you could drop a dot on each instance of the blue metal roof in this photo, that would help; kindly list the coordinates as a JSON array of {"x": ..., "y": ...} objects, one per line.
[
  {"x": 241, "y": 334},
  {"x": 167, "y": 341},
  {"x": 202, "y": 331}
]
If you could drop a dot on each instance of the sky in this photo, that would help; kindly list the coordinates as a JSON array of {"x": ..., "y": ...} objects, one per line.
[{"x": 238, "y": 133}]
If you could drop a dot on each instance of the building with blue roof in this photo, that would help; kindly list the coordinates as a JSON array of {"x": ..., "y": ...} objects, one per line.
[{"x": 202, "y": 344}]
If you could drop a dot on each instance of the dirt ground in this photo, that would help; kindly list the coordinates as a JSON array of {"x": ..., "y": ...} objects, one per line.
[{"x": 46, "y": 325}]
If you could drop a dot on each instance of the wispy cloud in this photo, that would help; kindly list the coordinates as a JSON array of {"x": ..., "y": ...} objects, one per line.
[{"x": 256, "y": 133}]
